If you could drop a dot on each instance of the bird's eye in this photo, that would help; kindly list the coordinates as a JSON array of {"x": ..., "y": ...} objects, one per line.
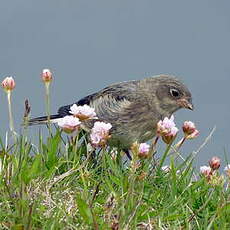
[{"x": 174, "y": 92}]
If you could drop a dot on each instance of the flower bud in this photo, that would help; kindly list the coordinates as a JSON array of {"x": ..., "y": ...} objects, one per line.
[
  {"x": 190, "y": 130},
  {"x": 214, "y": 163},
  {"x": 46, "y": 76},
  {"x": 143, "y": 151},
  {"x": 188, "y": 127},
  {"x": 8, "y": 84}
]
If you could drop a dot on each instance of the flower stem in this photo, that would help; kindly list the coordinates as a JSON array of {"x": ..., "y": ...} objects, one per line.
[
  {"x": 11, "y": 116},
  {"x": 165, "y": 155},
  {"x": 180, "y": 143},
  {"x": 10, "y": 111},
  {"x": 47, "y": 99}
]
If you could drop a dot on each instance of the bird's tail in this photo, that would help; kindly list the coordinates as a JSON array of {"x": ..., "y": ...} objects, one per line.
[{"x": 44, "y": 119}]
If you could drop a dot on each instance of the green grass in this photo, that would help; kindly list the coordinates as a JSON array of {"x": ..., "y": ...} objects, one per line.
[{"x": 61, "y": 184}]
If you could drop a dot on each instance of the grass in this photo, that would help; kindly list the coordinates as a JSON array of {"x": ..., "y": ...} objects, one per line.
[{"x": 62, "y": 184}]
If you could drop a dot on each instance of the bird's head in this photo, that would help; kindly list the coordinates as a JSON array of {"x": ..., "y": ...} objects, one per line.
[{"x": 171, "y": 94}]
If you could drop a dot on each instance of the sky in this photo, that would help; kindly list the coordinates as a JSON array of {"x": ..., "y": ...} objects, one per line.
[{"x": 91, "y": 44}]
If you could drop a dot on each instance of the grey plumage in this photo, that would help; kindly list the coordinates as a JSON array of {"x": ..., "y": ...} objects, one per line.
[{"x": 133, "y": 107}]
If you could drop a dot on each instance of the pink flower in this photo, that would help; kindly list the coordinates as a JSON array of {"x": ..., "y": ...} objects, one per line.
[
  {"x": 214, "y": 163},
  {"x": 166, "y": 125},
  {"x": 170, "y": 136},
  {"x": 100, "y": 133},
  {"x": 206, "y": 171},
  {"x": 188, "y": 127},
  {"x": 8, "y": 84},
  {"x": 190, "y": 130},
  {"x": 143, "y": 150},
  {"x": 167, "y": 129},
  {"x": 46, "y": 75},
  {"x": 69, "y": 124},
  {"x": 83, "y": 112}
]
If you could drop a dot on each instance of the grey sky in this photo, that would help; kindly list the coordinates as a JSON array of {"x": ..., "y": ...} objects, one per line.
[{"x": 90, "y": 44}]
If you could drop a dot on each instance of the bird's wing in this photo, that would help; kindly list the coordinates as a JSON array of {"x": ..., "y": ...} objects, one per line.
[
  {"x": 125, "y": 107},
  {"x": 109, "y": 101}
]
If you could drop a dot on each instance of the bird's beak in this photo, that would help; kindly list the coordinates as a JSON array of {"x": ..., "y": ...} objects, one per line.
[{"x": 186, "y": 103}]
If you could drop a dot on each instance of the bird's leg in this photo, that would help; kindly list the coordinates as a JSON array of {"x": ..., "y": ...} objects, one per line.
[
  {"x": 93, "y": 159},
  {"x": 127, "y": 153}
]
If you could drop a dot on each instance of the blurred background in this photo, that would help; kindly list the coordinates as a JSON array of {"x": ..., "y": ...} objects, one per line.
[{"x": 91, "y": 44}]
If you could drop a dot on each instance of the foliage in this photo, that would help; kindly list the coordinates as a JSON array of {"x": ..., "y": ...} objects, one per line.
[{"x": 64, "y": 184}]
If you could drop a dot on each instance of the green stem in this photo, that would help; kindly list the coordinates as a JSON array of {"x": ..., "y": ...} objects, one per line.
[{"x": 165, "y": 155}]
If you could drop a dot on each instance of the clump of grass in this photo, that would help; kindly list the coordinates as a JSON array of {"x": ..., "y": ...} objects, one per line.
[
  {"x": 60, "y": 186},
  {"x": 64, "y": 183}
]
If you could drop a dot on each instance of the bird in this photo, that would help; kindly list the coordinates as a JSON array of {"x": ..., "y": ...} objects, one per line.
[{"x": 133, "y": 108}]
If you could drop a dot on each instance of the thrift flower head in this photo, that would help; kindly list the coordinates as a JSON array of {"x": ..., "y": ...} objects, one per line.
[
  {"x": 8, "y": 84},
  {"x": 206, "y": 171},
  {"x": 227, "y": 170},
  {"x": 188, "y": 127},
  {"x": 214, "y": 163},
  {"x": 69, "y": 124},
  {"x": 166, "y": 125},
  {"x": 100, "y": 133},
  {"x": 170, "y": 136},
  {"x": 46, "y": 75},
  {"x": 190, "y": 130},
  {"x": 83, "y": 112},
  {"x": 143, "y": 150},
  {"x": 167, "y": 129}
]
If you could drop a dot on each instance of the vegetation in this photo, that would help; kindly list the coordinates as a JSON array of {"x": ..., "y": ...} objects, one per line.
[{"x": 65, "y": 183}]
